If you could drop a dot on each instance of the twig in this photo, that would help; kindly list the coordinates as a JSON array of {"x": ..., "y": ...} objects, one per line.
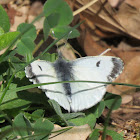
[{"x": 84, "y": 7}]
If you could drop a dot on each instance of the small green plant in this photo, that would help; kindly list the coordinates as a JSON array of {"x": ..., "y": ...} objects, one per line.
[{"x": 24, "y": 112}]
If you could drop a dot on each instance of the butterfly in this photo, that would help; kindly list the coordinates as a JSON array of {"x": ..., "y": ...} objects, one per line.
[{"x": 75, "y": 96}]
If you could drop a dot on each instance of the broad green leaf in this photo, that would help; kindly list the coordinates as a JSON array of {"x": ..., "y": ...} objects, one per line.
[
  {"x": 53, "y": 20},
  {"x": 2, "y": 118},
  {"x": 63, "y": 29},
  {"x": 98, "y": 109},
  {"x": 11, "y": 100},
  {"x": 94, "y": 135},
  {"x": 14, "y": 102},
  {"x": 31, "y": 33},
  {"x": 50, "y": 22},
  {"x": 57, "y": 110},
  {"x": 112, "y": 99},
  {"x": 21, "y": 126},
  {"x": 51, "y": 5},
  {"x": 60, "y": 7},
  {"x": 49, "y": 57},
  {"x": 42, "y": 128},
  {"x": 69, "y": 116},
  {"x": 1, "y": 31},
  {"x": 46, "y": 29},
  {"x": 89, "y": 119},
  {"x": 20, "y": 74},
  {"x": 37, "y": 114},
  {"x": 7, "y": 38},
  {"x": 16, "y": 63},
  {"x": 6, "y": 132},
  {"x": 4, "y": 20},
  {"x": 25, "y": 46},
  {"x": 114, "y": 135},
  {"x": 4, "y": 66}
]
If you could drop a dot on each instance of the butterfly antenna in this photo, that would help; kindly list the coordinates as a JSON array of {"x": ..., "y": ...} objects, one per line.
[
  {"x": 105, "y": 52},
  {"x": 67, "y": 38}
]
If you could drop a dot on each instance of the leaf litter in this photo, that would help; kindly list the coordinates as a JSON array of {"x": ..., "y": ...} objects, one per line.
[{"x": 112, "y": 24}]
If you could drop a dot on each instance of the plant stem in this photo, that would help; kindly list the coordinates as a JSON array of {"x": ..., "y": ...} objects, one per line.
[
  {"x": 7, "y": 87},
  {"x": 38, "y": 46}
]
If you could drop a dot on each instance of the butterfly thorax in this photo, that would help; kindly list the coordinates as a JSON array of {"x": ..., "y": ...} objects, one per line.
[{"x": 63, "y": 70}]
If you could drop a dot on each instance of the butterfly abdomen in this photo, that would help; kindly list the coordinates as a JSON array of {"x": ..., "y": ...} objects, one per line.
[{"x": 63, "y": 71}]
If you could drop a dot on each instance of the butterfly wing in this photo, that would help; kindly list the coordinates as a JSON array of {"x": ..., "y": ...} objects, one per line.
[
  {"x": 43, "y": 72},
  {"x": 98, "y": 68}
]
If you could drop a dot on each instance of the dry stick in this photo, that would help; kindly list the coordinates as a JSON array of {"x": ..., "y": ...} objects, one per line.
[
  {"x": 116, "y": 25},
  {"x": 84, "y": 7}
]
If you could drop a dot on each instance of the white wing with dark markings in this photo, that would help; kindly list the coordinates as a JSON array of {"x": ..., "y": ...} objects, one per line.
[{"x": 75, "y": 96}]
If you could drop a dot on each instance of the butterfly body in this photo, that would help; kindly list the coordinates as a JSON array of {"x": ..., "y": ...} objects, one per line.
[
  {"x": 75, "y": 96},
  {"x": 63, "y": 69}
]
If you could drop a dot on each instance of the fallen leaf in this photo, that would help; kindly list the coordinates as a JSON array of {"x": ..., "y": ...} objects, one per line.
[{"x": 76, "y": 133}]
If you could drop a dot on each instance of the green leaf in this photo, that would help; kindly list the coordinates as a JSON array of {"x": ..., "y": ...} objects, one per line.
[
  {"x": 25, "y": 46},
  {"x": 21, "y": 126},
  {"x": 2, "y": 118},
  {"x": 4, "y": 66},
  {"x": 50, "y": 6},
  {"x": 50, "y": 22},
  {"x": 112, "y": 99},
  {"x": 1, "y": 31},
  {"x": 4, "y": 20},
  {"x": 14, "y": 102},
  {"x": 63, "y": 29},
  {"x": 20, "y": 74},
  {"x": 60, "y": 7},
  {"x": 42, "y": 128},
  {"x": 53, "y": 20},
  {"x": 31, "y": 33},
  {"x": 6, "y": 131},
  {"x": 7, "y": 38},
  {"x": 98, "y": 109},
  {"x": 89, "y": 119},
  {"x": 46, "y": 29},
  {"x": 57, "y": 110},
  {"x": 37, "y": 114},
  {"x": 94, "y": 135},
  {"x": 69, "y": 116},
  {"x": 16, "y": 63},
  {"x": 114, "y": 135},
  {"x": 11, "y": 100},
  {"x": 49, "y": 57}
]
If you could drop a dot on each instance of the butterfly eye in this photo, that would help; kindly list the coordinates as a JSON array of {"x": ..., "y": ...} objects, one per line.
[{"x": 98, "y": 63}]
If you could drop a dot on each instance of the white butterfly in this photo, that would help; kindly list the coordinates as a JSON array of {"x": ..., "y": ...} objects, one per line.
[{"x": 75, "y": 96}]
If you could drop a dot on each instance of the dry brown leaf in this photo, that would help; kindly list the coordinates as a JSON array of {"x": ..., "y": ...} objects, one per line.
[
  {"x": 134, "y": 3},
  {"x": 36, "y": 8},
  {"x": 5, "y": 1},
  {"x": 76, "y": 133},
  {"x": 91, "y": 47},
  {"x": 20, "y": 18},
  {"x": 129, "y": 18},
  {"x": 115, "y": 3},
  {"x": 38, "y": 24},
  {"x": 126, "y": 99},
  {"x": 108, "y": 19}
]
